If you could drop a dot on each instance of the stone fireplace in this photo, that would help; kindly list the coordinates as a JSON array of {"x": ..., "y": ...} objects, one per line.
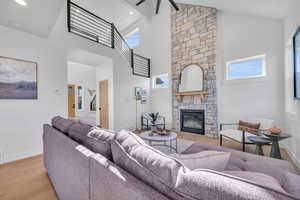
[
  {"x": 192, "y": 121},
  {"x": 194, "y": 30}
]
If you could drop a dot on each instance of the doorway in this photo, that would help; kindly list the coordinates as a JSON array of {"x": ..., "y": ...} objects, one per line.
[
  {"x": 103, "y": 108},
  {"x": 71, "y": 101}
]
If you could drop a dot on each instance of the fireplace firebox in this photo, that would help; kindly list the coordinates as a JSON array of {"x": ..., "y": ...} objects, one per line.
[{"x": 192, "y": 121}]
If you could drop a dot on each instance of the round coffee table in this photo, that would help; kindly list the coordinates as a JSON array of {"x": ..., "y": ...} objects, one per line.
[
  {"x": 259, "y": 141},
  {"x": 161, "y": 140},
  {"x": 275, "y": 149}
]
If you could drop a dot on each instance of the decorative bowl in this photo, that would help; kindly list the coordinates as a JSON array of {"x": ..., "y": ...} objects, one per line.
[
  {"x": 164, "y": 132},
  {"x": 275, "y": 131}
]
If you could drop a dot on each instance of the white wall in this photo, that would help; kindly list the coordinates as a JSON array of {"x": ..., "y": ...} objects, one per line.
[
  {"x": 21, "y": 121},
  {"x": 292, "y": 106},
  {"x": 124, "y": 101},
  {"x": 241, "y": 36},
  {"x": 85, "y": 76},
  {"x": 155, "y": 42},
  {"x": 105, "y": 72}
]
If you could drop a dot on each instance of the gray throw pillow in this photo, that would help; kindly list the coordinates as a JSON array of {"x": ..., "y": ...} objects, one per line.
[
  {"x": 79, "y": 132},
  {"x": 257, "y": 178},
  {"x": 146, "y": 163},
  {"x": 62, "y": 124},
  {"x": 98, "y": 140},
  {"x": 214, "y": 160},
  {"x": 291, "y": 184}
]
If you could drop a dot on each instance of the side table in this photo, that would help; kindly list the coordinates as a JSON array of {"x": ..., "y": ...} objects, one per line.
[
  {"x": 275, "y": 149},
  {"x": 259, "y": 141}
]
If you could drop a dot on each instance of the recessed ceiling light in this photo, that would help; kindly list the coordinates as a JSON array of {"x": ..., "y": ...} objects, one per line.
[
  {"x": 21, "y": 2},
  {"x": 131, "y": 13},
  {"x": 77, "y": 10}
]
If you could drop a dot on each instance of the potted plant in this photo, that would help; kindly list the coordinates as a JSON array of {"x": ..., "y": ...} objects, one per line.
[{"x": 153, "y": 119}]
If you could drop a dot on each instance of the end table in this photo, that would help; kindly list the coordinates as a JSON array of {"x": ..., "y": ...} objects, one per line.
[{"x": 275, "y": 149}]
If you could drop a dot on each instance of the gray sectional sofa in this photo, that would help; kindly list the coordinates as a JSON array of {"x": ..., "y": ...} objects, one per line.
[{"x": 121, "y": 167}]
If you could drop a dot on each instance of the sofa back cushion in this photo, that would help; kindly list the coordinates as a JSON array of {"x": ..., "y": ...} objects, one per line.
[
  {"x": 79, "y": 131},
  {"x": 144, "y": 162},
  {"x": 98, "y": 140},
  {"x": 213, "y": 160},
  {"x": 62, "y": 124}
]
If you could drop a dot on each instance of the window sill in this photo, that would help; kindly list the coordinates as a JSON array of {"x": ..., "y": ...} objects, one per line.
[{"x": 246, "y": 81}]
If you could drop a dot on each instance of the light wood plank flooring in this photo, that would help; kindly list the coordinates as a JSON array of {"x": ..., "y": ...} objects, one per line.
[{"x": 27, "y": 179}]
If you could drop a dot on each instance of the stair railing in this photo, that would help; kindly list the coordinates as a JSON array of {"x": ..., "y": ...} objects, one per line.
[{"x": 92, "y": 27}]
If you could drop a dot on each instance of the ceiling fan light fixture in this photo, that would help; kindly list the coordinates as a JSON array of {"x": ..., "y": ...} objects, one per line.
[
  {"x": 158, "y": 4},
  {"x": 21, "y": 2}
]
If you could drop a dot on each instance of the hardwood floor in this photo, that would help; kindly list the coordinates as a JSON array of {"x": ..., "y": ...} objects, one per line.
[{"x": 27, "y": 179}]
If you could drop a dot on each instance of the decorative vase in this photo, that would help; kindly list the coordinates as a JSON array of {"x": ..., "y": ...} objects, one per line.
[{"x": 153, "y": 129}]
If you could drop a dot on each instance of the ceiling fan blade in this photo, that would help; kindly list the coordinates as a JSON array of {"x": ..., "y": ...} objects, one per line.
[
  {"x": 158, "y": 6},
  {"x": 174, "y": 4},
  {"x": 140, "y": 2}
]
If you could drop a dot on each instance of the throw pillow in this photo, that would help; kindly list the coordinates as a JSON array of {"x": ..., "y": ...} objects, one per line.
[
  {"x": 213, "y": 160},
  {"x": 146, "y": 163},
  {"x": 62, "y": 124},
  {"x": 291, "y": 184},
  {"x": 257, "y": 178},
  {"x": 249, "y": 127},
  {"x": 79, "y": 132},
  {"x": 98, "y": 141}
]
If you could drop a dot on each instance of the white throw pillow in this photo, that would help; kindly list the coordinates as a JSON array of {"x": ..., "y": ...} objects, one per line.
[{"x": 213, "y": 160}]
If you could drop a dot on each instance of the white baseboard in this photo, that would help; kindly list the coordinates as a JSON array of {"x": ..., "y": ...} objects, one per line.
[
  {"x": 293, "y": 157},
  {"x": 6, "y": 158}
]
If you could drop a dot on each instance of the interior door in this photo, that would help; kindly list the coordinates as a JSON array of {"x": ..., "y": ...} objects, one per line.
[
  {"x": 71, "y": 101},
  {"x": 104, "y": 114}
]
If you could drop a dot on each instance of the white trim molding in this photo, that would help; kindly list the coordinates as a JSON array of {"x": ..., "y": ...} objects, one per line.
[{"x": 292, "y": 155}]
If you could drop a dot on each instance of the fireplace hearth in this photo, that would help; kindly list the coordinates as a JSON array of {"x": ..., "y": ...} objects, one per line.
[{"x": 192, "y": 121}]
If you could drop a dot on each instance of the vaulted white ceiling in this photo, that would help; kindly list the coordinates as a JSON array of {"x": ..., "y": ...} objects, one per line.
[
  {"x": 276, "y": 9},
  {"x": 38, "y": 17}
]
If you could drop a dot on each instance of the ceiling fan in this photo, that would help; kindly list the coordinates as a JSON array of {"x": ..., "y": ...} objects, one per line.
[{"x": 158, "y": 4}]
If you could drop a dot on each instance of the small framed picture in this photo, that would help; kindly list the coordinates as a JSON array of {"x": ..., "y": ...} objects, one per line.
[
  {"x": 144, "y": 100},
  {"x": 144, "y": 92},
  {"x": 137, "y": 91}
]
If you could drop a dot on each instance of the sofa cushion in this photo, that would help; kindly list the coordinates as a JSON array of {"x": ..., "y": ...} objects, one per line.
[
  {"x": 240, "y": 161},
  {"x": 214, "y": 160},
  {"x": 170, "y": 177},
  {"x": 149, "y": 165},
  {"x": 62, "y": 124},
  {"x": 98, "y": 140},
  {"x": 79, "y": 132},
  {"x": 257, "y": 178},
  {"x": 291, "y": 184},
  {"x": 211, "y": 185}
]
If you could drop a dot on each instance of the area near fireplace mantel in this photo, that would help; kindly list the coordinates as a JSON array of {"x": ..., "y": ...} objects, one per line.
[
  {"x": 194, "y": 38},
  {"x": 181, "y": 94},
  {"x": 191, "y": 93}
]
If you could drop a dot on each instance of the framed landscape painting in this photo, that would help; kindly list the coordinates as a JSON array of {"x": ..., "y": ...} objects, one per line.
[
  {"x": 18, "y": 79},
  {"x": 296, "y": 45}
]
